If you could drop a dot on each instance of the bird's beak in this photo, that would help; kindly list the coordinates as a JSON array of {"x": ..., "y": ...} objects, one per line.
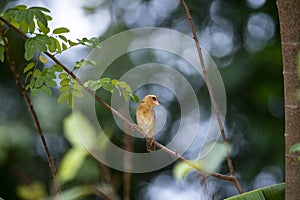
[{"x": 156, "y": 103}]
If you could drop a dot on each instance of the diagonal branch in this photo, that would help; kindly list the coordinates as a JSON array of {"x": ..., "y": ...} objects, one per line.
[
  {"x": 31, "y": 109},
  {"x": 211, "y": 95},
  {"x": 230, "y": 177}
]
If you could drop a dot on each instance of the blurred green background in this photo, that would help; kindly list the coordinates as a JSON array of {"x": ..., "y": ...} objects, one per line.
[{"x": 243, "y": 38}]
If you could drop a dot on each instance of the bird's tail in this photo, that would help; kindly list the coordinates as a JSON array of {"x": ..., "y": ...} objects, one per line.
[{"x": 150, "y": 144}]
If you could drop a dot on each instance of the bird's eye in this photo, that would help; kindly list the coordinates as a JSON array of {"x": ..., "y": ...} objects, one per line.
[{"x": 154, "y": 98}]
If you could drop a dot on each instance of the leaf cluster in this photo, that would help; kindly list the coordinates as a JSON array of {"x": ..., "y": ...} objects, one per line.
[
  {"x": 34, "y": 21},
  {"x": 110, "y": 85},
  {"x": 41, "y": 80},
  {"x": 68, "y": 87}
]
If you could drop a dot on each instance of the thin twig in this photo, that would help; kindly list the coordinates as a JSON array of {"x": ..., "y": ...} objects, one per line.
[
  {"x": 127, "y": 167},
  {"x": 121, "y": 117},
  {"x": 211, "y": 95},
  {"x": 31, "y": 109}
]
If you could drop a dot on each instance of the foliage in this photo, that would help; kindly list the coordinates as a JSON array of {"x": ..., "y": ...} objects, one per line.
[
  {"x": 34, "y": 21},
  {"x": 208, "y": 164},
  {"x": 274, "y": 192},
  {"x": 35, "y": 190},
  {"x": 109, "y": 85}
]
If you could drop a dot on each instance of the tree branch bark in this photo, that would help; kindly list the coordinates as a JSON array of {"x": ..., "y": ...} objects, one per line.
[{"x": 289, "y": 18}]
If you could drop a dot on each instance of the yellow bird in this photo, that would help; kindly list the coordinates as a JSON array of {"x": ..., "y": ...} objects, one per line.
[{"x": 145, "y": 118}]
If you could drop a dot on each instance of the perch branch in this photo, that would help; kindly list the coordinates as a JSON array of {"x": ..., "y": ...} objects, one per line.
[{"x": 31, "y": 109}]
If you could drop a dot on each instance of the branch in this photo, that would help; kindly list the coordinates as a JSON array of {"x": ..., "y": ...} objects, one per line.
[
  {"x": 31, "y": 109},
  {"x": 231, "y": 177},
  {"x": 212, "y": 98},
  {"x": 127, "y": 166}
]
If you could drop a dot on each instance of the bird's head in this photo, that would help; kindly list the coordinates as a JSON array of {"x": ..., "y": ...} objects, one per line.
[{"x": 151, "y": 100}]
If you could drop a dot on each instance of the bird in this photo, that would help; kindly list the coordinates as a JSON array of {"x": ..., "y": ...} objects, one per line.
[{"x": 145, "y": 118}]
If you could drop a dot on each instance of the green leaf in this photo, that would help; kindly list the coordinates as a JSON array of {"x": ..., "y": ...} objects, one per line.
[
  {"x": 64, "y": 88},
  {"x": 71, "y": 163},
  {"x": 181, "y": 169},
  {"x": 208, "y": 164},
  {"x": 58, "y": 68},
  {"x": 63, "y": 38},
  {"x": 105, "y": 80},
  {"x": 76, "y": 85},
  {"x": 71, "y": 43},
  {"x": 31, "y": 84},
  {"x": 47, "y": 90},
  {"x": 36, "y": 73},
  {"x": 75, "y": 193},
  {"x": 64, "y": 46},
  {"x": 20, "y": 16},
  {"x": 52, "y": 46},
  {"x": 48, "y": 17},
  {"x": 40, "y": 17},
  {"x": 43, "y": 29},
  {"x": 114, "y": 82},
  {"x": 50, "y": 74},
  {"x": 78, "y": 130},
  {"x": 44, "y": 72},
  {"x": 128, "y": 89},
  {"x": 24, "y": 27},
  {"x": 28, "y": 67},
  {"x": 108, "y": 86},
  {"x": 29, "y": 49},
  {"x": 40, "y": 81},
  {"x": 70, "y": 101},
  {"x": 40, "y": 8},
  {"x": 125, "y": 95},
  {"x": 33, "y": 190},
  {"x": 20, "y": 7},
  {"x": 28, "y": 74},
  {"x": 90, "y": 43},
  {"x": 93, "y": 85},
  {"x": 58, "y": 46},
  {"x": 134, "y": 98},
  {"x": 273, "y": 192},
  {"x": 43, "y": 59},
  {"x": 31, "y": 27},
  {"x": 60, "y": 30},
  {"x": 35, "y": 91},
  {"x": 77, "y": 93},
  {"x": 83, "y": 62},
  {"x": 51, "y": 83},
  {"x": 29, "y": 15},
  {"x": 63, "y": 97},
  {"x": 63, "y": 75},
  {"x": 123, "y": 85},
  {"x": 64, "y": 82},
  {"x": 41, "y": 42}
]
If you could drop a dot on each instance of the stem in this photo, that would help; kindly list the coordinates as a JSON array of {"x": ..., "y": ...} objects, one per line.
[
  {"x": 31, "y": 109},
  {"x": 125, "y": 120},
  {"x": 212, "y": 98},
  {"x": 127, "y": 166}
]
